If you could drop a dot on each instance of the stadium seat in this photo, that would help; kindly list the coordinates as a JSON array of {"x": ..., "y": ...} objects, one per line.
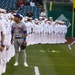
[{"x": 10, "y": 4}]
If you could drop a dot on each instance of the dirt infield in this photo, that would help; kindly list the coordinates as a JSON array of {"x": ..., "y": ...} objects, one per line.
[{"x": 70, "y": 40}]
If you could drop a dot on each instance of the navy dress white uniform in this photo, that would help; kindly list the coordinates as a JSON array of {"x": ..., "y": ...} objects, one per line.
[
  {"x": 36, "y": 32},
  {"x": 64, "y": 33},
  {"x": 2, "y": 53},
  {"x": 19, "y": 31},
  {"x": 9, "y": 53},
  {"x": 46, "y": 26},
  {"x": 29, "y": 26}
]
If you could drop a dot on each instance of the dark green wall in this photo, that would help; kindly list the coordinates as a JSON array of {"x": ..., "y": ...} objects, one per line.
[
  {"x": 74, "y": 24},
  {"x": 59, "y": 9}
]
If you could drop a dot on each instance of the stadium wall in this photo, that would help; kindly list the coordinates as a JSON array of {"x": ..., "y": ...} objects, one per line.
[
  {"x": 74, "y": 22},
  {"x": 62, "y": 11}
]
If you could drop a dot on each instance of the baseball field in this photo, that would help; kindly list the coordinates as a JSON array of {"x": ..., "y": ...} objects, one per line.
[{"x": 45, "y": 60}]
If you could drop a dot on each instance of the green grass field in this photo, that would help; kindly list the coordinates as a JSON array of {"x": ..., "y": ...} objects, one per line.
[{"x": 50, "y": 59}]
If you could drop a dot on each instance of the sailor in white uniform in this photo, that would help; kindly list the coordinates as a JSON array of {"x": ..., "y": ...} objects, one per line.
[{"x": 2, "y": 52}]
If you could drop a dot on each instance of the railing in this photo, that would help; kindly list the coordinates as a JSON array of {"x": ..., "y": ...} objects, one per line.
[{"x": 63, "y": 1}]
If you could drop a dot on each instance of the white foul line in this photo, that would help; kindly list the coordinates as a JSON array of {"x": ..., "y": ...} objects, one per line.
[{"x": 36, "y": 70}]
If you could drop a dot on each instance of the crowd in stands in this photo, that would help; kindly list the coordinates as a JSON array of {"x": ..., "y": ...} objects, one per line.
[{"x": 20, "y": 3}]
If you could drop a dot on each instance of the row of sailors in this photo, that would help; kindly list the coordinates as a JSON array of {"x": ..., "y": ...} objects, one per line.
[
  {"x": 39, "y": 31},
  {"x": 45, "y": 31},
  {"x": 5, "y": 55}
]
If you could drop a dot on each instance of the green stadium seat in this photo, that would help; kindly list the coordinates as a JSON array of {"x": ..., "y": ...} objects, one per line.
[{"x": 10, "y": 4}]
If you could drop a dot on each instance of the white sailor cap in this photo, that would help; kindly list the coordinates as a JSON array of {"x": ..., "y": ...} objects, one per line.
[
  {"x": 50, "y": 17},
  {"x": 48, "y": 21},
  {"x": 60, "y": 21},
  {"x": 36, "y": 19},
  {"x": 2, "y": 10},
  {"x": 56, "y": 20},
  {"x": 30, "y": 18},
  {"x": 40, "y": 17}
]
